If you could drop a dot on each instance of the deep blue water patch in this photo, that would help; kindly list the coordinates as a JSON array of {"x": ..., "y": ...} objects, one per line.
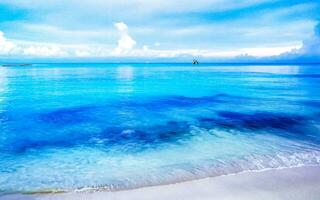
[
  {"x": 74, "y": 115},
  {"x": 254, "y": 121},
  {"x": 111, "y": 132},
  {"x": 68, "y": 116},
  {"x": 169, "y": 132},
  {"x": 262, "y": 120},
  {"x": 315, "y": 104}
]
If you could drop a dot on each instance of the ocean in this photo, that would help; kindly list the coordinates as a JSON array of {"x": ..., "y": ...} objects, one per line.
[{"x": 83, "y": 126}]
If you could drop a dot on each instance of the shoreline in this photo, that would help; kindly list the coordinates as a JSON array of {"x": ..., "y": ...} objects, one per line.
[{"x": 295, "y": 183}]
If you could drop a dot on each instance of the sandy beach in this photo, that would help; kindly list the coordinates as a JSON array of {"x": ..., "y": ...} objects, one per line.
[{"x": 300, "y": 183}]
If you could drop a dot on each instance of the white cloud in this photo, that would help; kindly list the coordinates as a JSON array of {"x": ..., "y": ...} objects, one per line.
[
  {"x": 44, "y": 51},
  {"x": 125, "y": 47},
  {"x": 122, "y": 27},
  {"x": 16, "y": 48},
  {"x": 125, "y": 43},
  {"x": 6, "y": 47},
  {"x": 311, "y": 46},
  {"x": 309, "y": 51},
  {"x": 145, "y": 48},
  {"x": 147, "y": 52},
  {"x": 82, "y": 53},
  {"x": 270, "y": 51}
]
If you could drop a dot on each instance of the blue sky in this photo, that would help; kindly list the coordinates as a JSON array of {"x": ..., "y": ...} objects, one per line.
[{"x": 160, "y": 29}]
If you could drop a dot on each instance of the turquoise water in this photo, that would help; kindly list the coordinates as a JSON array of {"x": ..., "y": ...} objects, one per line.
[{"x": 119, "y": 126}]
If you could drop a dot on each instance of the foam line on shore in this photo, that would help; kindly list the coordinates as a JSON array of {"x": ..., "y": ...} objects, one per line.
[{"x": 298, "y": 183}]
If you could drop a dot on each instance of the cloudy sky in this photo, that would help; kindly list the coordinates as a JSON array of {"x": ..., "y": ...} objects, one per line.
[{"x": 146, "y": 30}]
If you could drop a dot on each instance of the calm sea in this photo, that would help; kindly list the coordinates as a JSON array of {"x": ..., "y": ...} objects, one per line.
[{"x": 120, "y": 126}]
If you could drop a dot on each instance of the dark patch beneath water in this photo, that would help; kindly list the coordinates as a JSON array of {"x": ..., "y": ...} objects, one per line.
[
  {"x": 315, "y": 104},
  {"x": 68, "y": 116},
  {"x": 254, "y": 121},
  {"x": 262, "y": 120},
  {"x": 306, "y": 75},
  {"x": 154, "y": 135},
  {"x": 132, "y": 139},
  {"x": 63, "y": 124},
  {"x": 129, "y": 138},
  {"x": 81, "y": 114}
]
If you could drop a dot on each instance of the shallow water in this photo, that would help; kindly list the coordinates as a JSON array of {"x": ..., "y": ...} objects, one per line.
[{"x": 119, "y": 126}]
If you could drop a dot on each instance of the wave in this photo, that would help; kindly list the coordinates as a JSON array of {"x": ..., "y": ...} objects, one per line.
[{"x": 186, "y": 172}]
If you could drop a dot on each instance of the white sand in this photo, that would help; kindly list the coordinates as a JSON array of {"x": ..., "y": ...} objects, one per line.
[{"x": 302, "y": 183}]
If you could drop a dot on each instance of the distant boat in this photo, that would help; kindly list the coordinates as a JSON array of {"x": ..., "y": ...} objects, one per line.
[{"x": 195, "y": 62}]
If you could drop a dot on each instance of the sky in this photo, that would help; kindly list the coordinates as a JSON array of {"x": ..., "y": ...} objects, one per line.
[{"x": 210, "y": 30}]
